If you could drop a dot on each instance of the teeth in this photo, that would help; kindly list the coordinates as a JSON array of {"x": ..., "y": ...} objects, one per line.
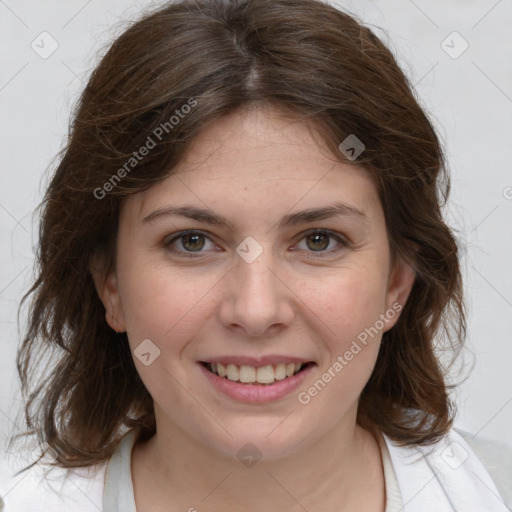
[
  {"x": 280, "y": 371},
  {"x": 250, "y": 374},
  {"x": 232, "y": 372},
  {"x": 221, "y": 370},
  {"x": 247, "y": 374},
  {"x": 265, "y": 374}
]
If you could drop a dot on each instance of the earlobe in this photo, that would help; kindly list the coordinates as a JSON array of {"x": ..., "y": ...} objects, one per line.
[
  {"x": 114, "y": 312},
  {"x": 400, "y": 285},
  {"x": 108, "y": 292}
]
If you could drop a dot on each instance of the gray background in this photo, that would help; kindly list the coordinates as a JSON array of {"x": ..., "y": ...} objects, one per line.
[{"x": 469, "y": 96}]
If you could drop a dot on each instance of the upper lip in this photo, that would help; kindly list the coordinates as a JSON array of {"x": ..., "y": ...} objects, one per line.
[{"x": 256, "y": 361}]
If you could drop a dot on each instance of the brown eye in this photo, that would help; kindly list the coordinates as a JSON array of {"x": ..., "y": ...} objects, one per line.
[
  {"x": 193, "y": 242},
  {"x": 190, "y": 244},
  {"x": 318, "y": 241}
]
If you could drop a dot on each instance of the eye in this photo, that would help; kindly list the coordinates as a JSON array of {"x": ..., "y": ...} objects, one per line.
[
  {"x": 189, "y": 242},
  {"x": 321, "y": 241}
]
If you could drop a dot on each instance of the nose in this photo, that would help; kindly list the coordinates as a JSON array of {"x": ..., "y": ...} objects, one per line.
[{"x": 256, "y": 299}]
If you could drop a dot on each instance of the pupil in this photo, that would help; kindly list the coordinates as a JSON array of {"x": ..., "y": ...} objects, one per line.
[
  {"x": 193, "y": 242},
  {"x": 320, "y": 241}
]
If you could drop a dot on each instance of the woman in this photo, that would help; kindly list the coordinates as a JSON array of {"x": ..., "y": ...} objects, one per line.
[{"x": 243, "y": 274}]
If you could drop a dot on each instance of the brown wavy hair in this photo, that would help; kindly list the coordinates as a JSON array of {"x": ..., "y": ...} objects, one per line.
[{"x": 303, "y": 56}]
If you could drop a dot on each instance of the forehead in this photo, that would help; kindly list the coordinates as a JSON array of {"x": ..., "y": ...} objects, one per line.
[
  {"x": 273, "y": 142},
  {"x": 257, "y": 159}
]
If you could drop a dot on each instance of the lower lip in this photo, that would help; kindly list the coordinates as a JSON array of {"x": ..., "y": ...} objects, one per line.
[{"x": 256, "y": 393}]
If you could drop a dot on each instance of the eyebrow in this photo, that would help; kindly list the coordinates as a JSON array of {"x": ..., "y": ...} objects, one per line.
[{"x": 208, "y": 216}]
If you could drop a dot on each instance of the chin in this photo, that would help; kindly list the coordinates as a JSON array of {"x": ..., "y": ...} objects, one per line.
[{"x": 265, "y": 440}]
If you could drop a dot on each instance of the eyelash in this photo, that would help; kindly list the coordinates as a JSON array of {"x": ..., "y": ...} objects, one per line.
[{"x": 343, "y": 243}]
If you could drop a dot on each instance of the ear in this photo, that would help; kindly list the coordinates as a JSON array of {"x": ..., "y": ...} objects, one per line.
[
  {"x": 400, "y": 283},
  {"x": 106, "y": 285}
]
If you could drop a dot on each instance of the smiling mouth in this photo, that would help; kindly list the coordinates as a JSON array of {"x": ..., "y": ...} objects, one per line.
[{"x": 263, "y": 375}]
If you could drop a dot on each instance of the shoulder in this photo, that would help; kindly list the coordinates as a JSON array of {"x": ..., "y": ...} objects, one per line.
[
  {"x": 48, "y": 488},
  {"x": 453, "y": 473},
  {"x": 496, "y": 457}
]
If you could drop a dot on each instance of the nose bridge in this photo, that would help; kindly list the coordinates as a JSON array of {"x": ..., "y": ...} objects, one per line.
[
  {"x": 256, "y": 282},
  {"x": 256, "y": 298}
]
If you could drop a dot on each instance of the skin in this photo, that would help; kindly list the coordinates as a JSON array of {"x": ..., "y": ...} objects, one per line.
[{"x": 253, "y": 167}]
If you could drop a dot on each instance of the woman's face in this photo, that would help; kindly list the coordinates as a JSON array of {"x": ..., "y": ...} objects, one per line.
[{"x": 285, "y": 259}]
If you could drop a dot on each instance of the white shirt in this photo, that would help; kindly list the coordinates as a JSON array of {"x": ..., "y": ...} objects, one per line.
[{"x": 413, "y": 482}]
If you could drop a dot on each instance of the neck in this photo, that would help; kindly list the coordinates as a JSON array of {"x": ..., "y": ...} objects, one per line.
[{"x": 332, "y": 474}]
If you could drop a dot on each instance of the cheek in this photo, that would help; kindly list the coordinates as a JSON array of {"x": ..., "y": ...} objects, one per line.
[
  {"x": 348, "y": 310},
  {"x": 166, "y": 308},
  {"x": 163, "y": 305},
  {"x": 346, "y": 302}
]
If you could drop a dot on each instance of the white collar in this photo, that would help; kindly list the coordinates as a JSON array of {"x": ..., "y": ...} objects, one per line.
[{"x": 446, "y": 477}]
